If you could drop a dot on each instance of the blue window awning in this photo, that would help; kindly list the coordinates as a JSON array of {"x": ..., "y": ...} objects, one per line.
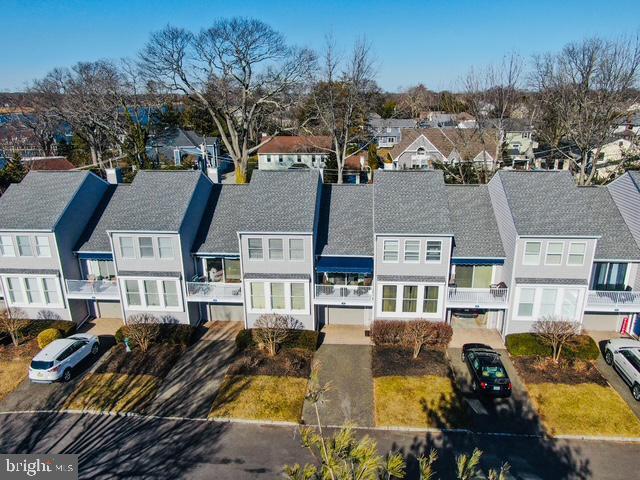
[
  {"x": 477, "y": 261},
  {"x": 94, "y": 256},
  {"x": 345, "y": 265}
]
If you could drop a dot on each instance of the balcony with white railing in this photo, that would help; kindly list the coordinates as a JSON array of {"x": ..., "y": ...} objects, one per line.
[
  {"x": 214, "y": 292},
  {"x": 93, "y": 289},
  {"x": 477, "y": 297},
  {"x": 343, "y": 295},
  {"x": 612, "y": 301}
]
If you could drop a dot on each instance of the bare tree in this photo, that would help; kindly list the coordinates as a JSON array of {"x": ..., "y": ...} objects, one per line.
[
  {"x": 342, "y": 97},
  {"x": 417, "y": 334},
  {"x": 582, "y": 93},
  {"x": 555, "y": 332},
  {"x": 416, "y": 100},
  {"x": 240, "y": 70},
  {"x": 270, "y": 331},
  {"x": 143, "y": 329},
  {"x": 12, "y": 322}
]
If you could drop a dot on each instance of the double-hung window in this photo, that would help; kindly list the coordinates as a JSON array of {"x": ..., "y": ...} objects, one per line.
[
  {"x": 390, "y": 251},
  {"x": 276, "y": 249},
  {"x": 277, "y": 296},
  {"x": 32, "y": 289},
  {"x": 410, "y": 298},
  {"x": 165, "y": 247},
  {"x": 525, "y": 306},
  {"x": 146, "y": 247},
  {"x": 554, "y": 253},
  {"x": 531, "y": 253},
  {"x": 24, "y": 246},
  {"x": 548, "y": 301},
  {"x": 43, "y": 249},
  {"x": 570, "y": 304},
  {"x": 297, "y": 296},
  {"x": 257, "y": 295},
  {"x": 151, "y": 295},
  {"x": 15, "y": 290},
  {"x": 126, "y": 247},
  {"x": 296, "y": 249},
  {"x": 412, "y": 251},
  {"x": 389, "y": 294},
  {"x": 132, "y": 292},
  {"x": 6, "y": 246},
  {"x": 430, "y": 299},
  {"x": 434, "y": 251},
  {"x": 576, "y": 253},
  {"x": 50, "y": 291},
  {"x": 170, "y": 293},
  {"x": 255, "y": 248}
]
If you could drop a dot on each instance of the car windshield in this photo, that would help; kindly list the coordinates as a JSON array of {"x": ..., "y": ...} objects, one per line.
[
  {"x": 40, "y": 365},
  {"x": 491, "y": 367}
]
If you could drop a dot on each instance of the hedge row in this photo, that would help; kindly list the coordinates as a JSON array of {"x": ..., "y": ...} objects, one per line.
[
  {"x": 403, "y": 333},
  {"x": 302, "y": 339},
  {"x": 170, "y": 334},
  {"x": 582, "y": 347}
]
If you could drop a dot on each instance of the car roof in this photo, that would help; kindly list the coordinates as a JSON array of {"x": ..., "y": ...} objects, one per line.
[
  {"x": 624, "y": 343},
  {"x": 55, "y": 348}
]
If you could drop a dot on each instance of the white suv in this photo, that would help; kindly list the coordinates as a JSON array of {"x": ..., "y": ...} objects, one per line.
[
  {"x": 56, "y": 360},
  {"x": 624, "y": 355}
]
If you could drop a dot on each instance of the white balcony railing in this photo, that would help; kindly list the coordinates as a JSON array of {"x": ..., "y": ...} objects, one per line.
[
  {"x": 609, "y": 301},
  {"x": 214, "y": 292},
  {"x": 344, "y": 294},
  {"x": 477, "y": 297},
  {"x": 93, "y": 289}
]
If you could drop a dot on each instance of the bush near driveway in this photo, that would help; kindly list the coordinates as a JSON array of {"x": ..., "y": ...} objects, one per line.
[
  {"x": 303, "y": 339},
  {"x": 47, "y": 336},
  {"x": 171, "y": 334},
  {"x": 582, "y": 347},
  {"x": 403, "y": 333},
  {"x": 260, "y": 397}
]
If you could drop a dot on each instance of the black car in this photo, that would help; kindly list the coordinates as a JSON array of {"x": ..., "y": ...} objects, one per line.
[{"x": 489, "y": 377}]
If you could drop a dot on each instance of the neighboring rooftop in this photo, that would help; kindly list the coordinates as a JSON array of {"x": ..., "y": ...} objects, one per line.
[
  {"x": 346, "y": 221},
  {"x": 48, "y": 163},
  {"x": 475, "y": 229},
  {"x": 38, "y": 202},
  {"x": 411, "y": 202},
  {"x": 297, "y": 144},
  {"x": 468, "y": 142}
]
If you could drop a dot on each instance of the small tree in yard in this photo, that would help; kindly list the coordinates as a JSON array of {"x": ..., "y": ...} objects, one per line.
[
  {"x": 270, "y": 331},
  {"x": 143, "y": 329},
  {"x": 12, "y": 322},
  {"x": 417, "y": 333},
  {"x": 555, "y": 332}
]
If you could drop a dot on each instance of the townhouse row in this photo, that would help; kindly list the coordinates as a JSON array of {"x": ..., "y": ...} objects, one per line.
[{"x": 497, "y": 256}]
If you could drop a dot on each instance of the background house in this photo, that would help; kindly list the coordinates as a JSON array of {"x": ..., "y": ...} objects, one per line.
[{"x": 284, "y": 152}]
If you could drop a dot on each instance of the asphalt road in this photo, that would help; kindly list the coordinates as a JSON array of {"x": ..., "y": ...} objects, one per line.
[{"x": 132, "y": 447}]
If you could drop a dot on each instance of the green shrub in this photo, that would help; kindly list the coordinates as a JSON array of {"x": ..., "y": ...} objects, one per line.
[
  {"x": 34, "y": 327},
  {"x": 302, "y": 339},
  {"x": 583, "y": 347},
  {"x": 120, "y": 334},
  {"x": 244, "y": 339},
  {"x": 47, "y": 336}
]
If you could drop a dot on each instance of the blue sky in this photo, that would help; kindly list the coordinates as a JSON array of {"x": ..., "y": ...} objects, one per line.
[{"x": 428, "y": 41}]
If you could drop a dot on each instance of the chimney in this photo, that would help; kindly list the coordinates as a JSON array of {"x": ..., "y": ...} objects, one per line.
[{"x": 114, "y": 175}]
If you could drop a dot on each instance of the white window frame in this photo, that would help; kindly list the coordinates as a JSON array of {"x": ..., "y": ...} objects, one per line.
[
  {"x": 419, "y": 313},
  {"x": 153, "y": 250},
  {"x": 301, "y": 249},
  {"x": 160, "y": 255},
  {"x": 547, "y": 253},
  {"x": 532, "y": 302},
  {"x": 561, "y": 293},
  {"x": 524, "y": 252},
  {"x": 555, "y": 301},
  {"x": 569, "y": 254},
  {"x": 160, "y": 289},
  {"x": 384, "y": 250},
  {"x": 267, "y": 297},
  {"x": 416, "y": 252},
  {"x": 249, "y": 248},
  {"x": 426, "y": 251},
  {"x": 40, "y": 247},
  {"x": 22, "y": 285},
  {"x": 122, "y": 248},
  {"x": 281, "y": 249},
  {"x": 29, "y": 242},
  {"x": 6, "y": 244}
]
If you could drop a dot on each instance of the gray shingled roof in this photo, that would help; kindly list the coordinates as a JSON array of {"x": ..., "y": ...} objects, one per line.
[
  {"x": 40, "y": 199},
  {"x": 346, "y": 220},
  {"x": 224, "y": 217},
  {"x": 411, "y": 202},
  {"x": 475, "y": 230},
  {"x": 552, "y": 281},
  {"x": 282, "y": 201},
  {"x": 155, "y": 201},
  {"x": 616, "y": 241},
  {"x": 546, "y": 204}
]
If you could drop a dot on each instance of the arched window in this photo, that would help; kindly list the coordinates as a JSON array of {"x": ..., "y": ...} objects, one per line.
[{"x": 421, "y": 151}]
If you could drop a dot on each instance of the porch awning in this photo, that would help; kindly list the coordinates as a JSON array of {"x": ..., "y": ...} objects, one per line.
[
  {"x": 345, "y": 265},
  {"x": 477, "y": 261},
  {"x": 94, "y": 256}
]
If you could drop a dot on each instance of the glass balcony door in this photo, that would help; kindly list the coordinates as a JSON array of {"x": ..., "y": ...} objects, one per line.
[{"x": 223, "y": 270}]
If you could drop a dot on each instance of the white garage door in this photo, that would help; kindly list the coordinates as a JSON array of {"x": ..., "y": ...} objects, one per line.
[
  {"x": 610, "y": 322},
  {"x": 348, "y": 315},
  {"x": 231, "y": 313},
  {"x": 109, "y": 310}
]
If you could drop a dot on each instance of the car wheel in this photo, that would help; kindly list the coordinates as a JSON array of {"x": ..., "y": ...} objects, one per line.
[
  {"x": 66, "y": 376},
  {"x": 608, "y": 357},
  {"x": 95, "y": 349},
  {"x": 636, "y": 392}
]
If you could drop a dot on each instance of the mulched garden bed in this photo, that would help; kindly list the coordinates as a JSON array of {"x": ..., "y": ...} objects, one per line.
[
  {"x": 26, "y": 349},
  {"x": 392, "y": 360},
  {"x": 544, "y": 370},
  {"x": 290, "y": 362},
  {"x": 157, "y": 361}
]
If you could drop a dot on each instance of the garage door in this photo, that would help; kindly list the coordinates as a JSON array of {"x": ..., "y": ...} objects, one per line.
[
  {"x": 231, "y": 313},
  {"x": 610, "y": 322},
  {"x": 348, "y": 315},
  {"x": 109, "y": 310}
]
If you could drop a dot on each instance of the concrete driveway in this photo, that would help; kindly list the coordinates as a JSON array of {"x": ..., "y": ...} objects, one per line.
[
  {"x": 508, "y": 415},
  {"x": 51, "y": 396},
  {"x": 350, "y": 399}
]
